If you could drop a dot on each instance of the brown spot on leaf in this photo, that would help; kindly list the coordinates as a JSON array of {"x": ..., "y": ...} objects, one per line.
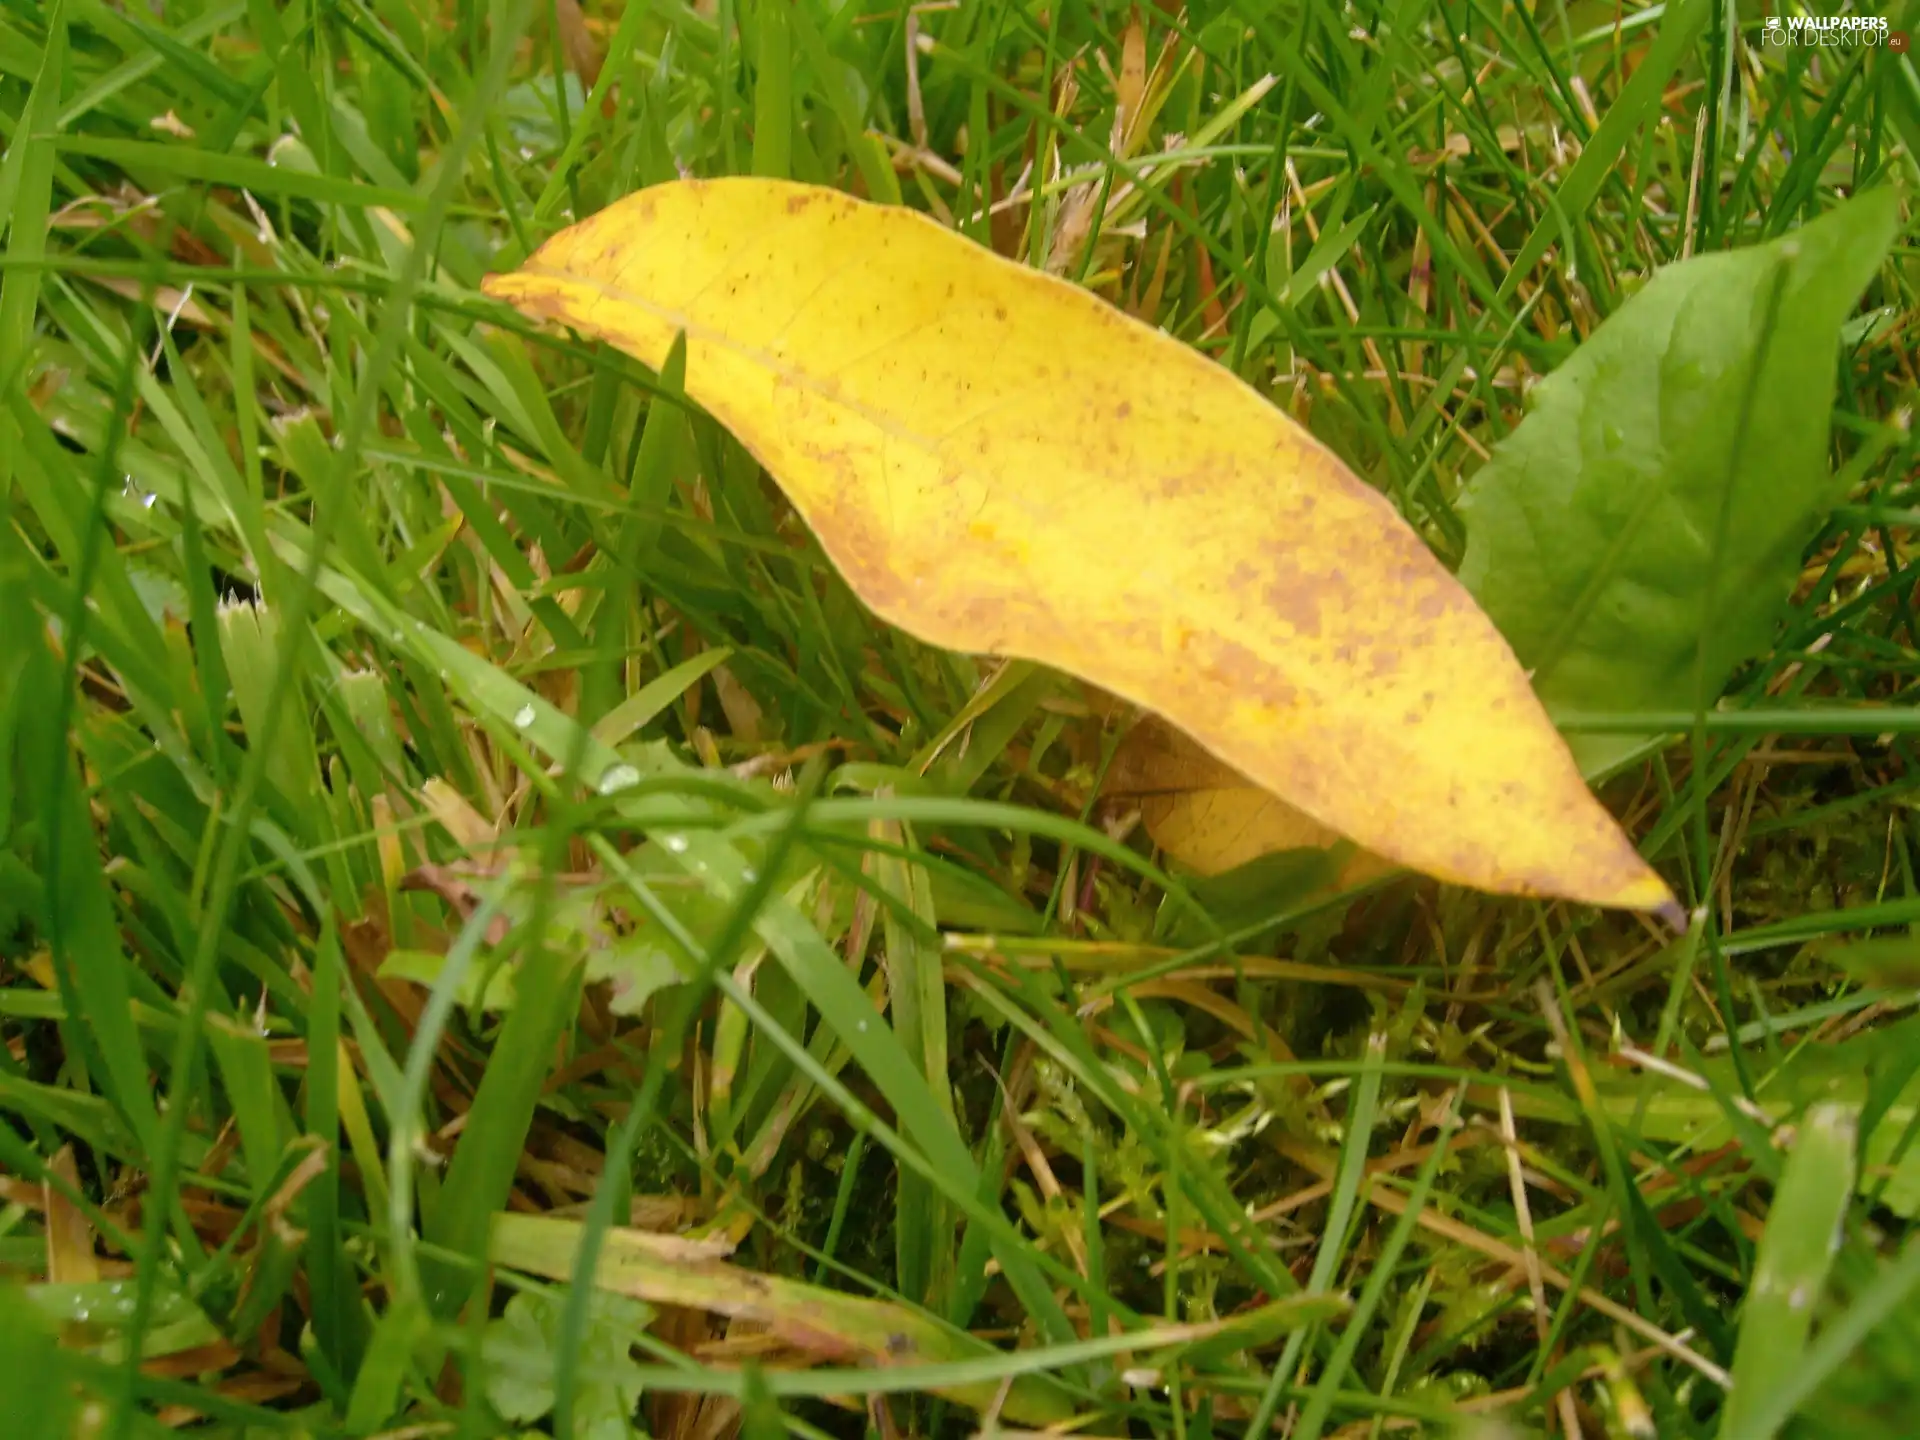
[
  {"x": 1386, "y": 662},
  {"x": 1232, "y": 664}
]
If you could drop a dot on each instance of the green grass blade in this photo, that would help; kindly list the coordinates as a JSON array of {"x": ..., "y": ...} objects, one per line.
[{"x": 1804, "y": 1232}]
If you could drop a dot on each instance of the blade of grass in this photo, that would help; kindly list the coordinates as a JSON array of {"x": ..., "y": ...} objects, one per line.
[{"x": 1804, "y": 1232}]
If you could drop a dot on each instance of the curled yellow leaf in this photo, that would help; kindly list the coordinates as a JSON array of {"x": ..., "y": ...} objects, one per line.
[
  {"x": 1000, "y": 462},
  {"x": 1208, "y": 816}
]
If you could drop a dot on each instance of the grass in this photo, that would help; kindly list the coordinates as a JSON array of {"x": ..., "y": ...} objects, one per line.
[{"x": 324, "y": 579}]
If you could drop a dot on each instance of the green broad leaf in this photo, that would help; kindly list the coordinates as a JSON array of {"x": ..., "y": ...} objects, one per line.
[
  {"x": 519, "y": 1351},
  {"x": 1669, "y": 475}
]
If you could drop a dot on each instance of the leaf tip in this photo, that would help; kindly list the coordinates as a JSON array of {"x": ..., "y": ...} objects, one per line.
[{"x": 1648, "y": 894}]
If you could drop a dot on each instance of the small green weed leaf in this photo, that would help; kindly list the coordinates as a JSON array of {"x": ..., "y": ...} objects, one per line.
[
  {"x": 519, "y": 1361},
  {"x": 488, "y": 987},
  {"x": 519, "y": 1355},
  {"x": 164, "y": 597},
  {"x": 519, "y": 1351},
  {"x": 634, "y": 968},
  {"x": 630, "y": 951},
  {"x": 1661, "y": 485}
]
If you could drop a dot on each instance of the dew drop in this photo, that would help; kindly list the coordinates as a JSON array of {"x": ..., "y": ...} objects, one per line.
[
  {"x": 861, "y": 1026},
  {"x": 676, "y": 843},
  {"x": 523, "y": 717},
  {"x": 618, "y": 777},
  {"x": 748, "y": 874}
]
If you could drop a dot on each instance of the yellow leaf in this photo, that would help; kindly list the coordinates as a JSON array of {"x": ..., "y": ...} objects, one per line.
[
  {"x": 1001, "y": 463},
  {"x": 70, "y": 1253},
  {"x": 1207, "y": 815}
]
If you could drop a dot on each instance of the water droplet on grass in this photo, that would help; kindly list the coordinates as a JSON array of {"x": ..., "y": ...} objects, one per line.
[{"x": 617, "y": 778}]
